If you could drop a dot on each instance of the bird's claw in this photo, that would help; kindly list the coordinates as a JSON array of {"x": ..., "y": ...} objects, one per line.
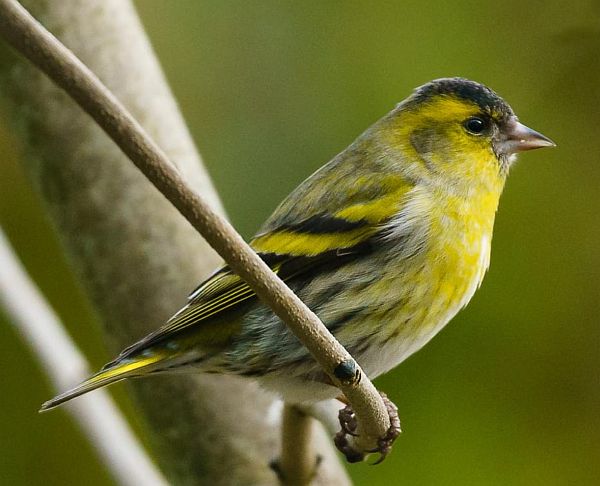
[
  {"x": 348, "y": 421},
  {"x": 349, "y": 426}
]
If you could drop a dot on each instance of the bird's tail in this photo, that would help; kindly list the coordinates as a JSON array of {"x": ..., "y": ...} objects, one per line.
[{"x": 111, "y": 373}]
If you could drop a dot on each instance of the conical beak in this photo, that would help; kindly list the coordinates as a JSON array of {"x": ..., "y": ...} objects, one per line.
[{"x": 519, "y": 138}]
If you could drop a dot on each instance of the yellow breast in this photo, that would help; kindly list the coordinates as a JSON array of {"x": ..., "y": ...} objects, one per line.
[
  {"x": 429, "y": 292},
  {"x": 460, "y": 255}
]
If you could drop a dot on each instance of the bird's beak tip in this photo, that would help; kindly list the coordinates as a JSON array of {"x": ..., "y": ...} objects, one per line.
[{"x": 520, "y": 138}]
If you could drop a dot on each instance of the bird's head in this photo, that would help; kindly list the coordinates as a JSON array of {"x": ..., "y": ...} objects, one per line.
[{"x": 462, "y": 130}]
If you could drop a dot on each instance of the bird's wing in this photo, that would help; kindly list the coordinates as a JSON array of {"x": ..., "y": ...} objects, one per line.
[{"x": 292, "y": 245}]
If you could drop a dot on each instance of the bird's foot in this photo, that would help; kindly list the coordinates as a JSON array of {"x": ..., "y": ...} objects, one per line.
[{"x": 349, "y": 426}]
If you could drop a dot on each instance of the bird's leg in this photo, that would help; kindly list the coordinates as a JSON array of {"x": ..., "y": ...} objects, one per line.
[{"x": 349, "y": 425}]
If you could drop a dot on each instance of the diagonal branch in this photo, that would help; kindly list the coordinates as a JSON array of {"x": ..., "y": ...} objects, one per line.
[{"x": 27, "y": 36}]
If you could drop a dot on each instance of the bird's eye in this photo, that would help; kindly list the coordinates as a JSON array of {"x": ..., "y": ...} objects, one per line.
[{"x": 475, "y": 125}]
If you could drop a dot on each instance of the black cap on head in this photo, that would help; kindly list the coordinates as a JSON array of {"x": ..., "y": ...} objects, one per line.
[{"x": 462, "y": 88}]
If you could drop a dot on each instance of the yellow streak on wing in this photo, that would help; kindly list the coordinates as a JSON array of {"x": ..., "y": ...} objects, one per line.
[
  {"x": 375, "y": 211},
  {"x": 214, "y": 285},
  {"x": 121, "y": 369},
  {"x": 215, "y": 296},
  {"x": 298, "y": 244},
  {"x": 201, "y": 312},
  {"x": 105, "y": 377}
]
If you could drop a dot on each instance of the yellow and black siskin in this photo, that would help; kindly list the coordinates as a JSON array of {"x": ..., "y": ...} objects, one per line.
[{"x": 386, "y": 243}]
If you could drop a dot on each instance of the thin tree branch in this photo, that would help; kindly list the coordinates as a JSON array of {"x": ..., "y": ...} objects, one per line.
[
  {"x": 298, "y": 461},
  {"x": 27, "y": 36},
  {"x": 115, "y": 227},
  {"x": 97, "y": 414}
]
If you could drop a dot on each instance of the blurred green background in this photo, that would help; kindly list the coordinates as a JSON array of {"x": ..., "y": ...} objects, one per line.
[{"x": 509, "y": 393}]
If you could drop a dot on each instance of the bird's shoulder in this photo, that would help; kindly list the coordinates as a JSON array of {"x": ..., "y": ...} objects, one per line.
[{"x": 344, "y": 202}]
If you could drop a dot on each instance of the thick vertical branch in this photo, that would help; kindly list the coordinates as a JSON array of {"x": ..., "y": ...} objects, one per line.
[
  {"x": 134, "y": 254},
  {"x": 298, "y": 462}
]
